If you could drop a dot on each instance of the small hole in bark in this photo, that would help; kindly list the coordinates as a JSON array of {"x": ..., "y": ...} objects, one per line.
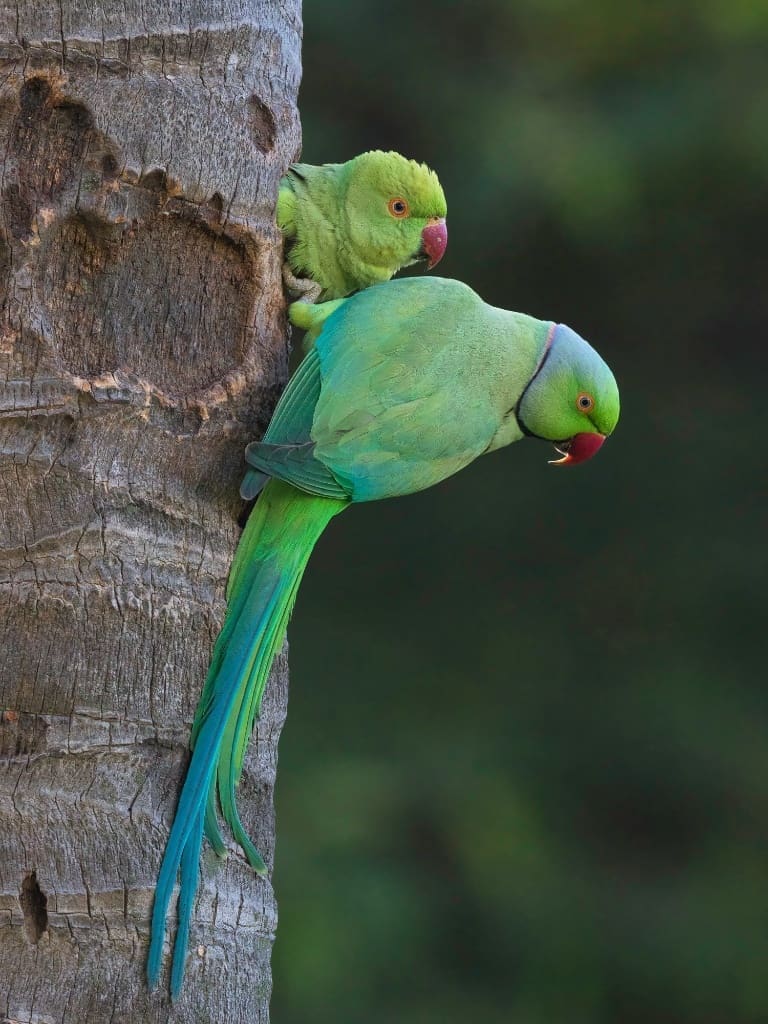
[
  {"x": 33, "y": 95},
  {"x": 109, "y": 166},
  {"x": 263, "y": 126},
  {"x": 34, "y": 905},
  {"x": 155, "y": 180},
  {"x": 75, "y": 117},
  {"x": 216, "y": 202}
]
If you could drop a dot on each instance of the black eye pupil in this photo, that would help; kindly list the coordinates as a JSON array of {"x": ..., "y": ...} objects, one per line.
[
  {"x": 399, "y": 207},
  {"x": 585, "y": 402}
]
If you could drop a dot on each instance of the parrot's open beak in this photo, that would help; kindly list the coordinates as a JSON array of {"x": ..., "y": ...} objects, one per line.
[
  {"x": 578, "y": 448},
  {"x": 434, "y": 239}
]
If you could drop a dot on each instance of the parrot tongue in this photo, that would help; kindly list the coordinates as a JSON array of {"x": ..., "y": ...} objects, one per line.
[
  {"x": 578, "y": 448},
  {"x": 434, "y": 239}
]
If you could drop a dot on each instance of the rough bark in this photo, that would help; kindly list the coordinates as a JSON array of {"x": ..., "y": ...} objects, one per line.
[{"x": 142, "y": 343}]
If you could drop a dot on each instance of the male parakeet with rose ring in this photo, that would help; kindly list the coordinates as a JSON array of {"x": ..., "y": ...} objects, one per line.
[{"x": 407, "y": 383}]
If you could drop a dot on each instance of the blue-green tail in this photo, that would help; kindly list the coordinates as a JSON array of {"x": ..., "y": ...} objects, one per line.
[{"x": 263, "y": 582}]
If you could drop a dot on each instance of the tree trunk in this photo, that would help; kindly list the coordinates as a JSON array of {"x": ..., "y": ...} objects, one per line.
[{"x": 142, "y": 344}]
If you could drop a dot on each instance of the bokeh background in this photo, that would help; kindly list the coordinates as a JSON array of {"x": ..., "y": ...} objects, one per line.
[{"x": 524, "y": 777}]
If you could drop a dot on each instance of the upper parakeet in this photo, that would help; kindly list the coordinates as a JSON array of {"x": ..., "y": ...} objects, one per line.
[
  {"x": 347, "y": 226},
  {"x": 407, "y": 383}
]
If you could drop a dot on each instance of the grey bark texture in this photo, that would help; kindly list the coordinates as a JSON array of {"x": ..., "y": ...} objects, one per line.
[{"x": 142, "y": 344}]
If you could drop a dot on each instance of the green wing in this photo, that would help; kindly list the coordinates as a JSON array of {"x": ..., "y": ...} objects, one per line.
[
  {"x": 286, "y": 451},
  {"x": 297, "y": 465},
  {"x": 291, "y": 421}
]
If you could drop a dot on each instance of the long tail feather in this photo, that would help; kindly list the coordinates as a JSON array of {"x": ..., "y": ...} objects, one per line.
[
  {"x": 239, "y": 729},
  {"x": 190, "y": 865},
  {"x": 194, "y": 794},
  {"x": 264, "y": 579},
  {"x": 211, "y": 825}
]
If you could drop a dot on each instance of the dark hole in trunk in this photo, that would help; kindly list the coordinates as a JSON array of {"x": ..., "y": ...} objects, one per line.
[{"x": 34, "y": 904}]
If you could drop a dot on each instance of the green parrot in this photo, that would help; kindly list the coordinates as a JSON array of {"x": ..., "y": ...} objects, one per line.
[
  {"x": 348, "y": 226},
  {"x": 407, "y": 383}
]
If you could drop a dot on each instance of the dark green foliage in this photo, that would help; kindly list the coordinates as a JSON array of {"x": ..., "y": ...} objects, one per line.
[{"x": 524, "y": 776}]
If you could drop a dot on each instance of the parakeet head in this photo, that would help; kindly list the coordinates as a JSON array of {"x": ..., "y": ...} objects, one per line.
[
  {"x": 396, "y": 211},
  {"x": 572, "y": 398}
]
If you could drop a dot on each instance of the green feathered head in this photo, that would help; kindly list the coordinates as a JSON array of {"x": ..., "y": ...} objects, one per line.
[
  {"x": 395, "y": 210},
  {"x": 572, "y": 398}
]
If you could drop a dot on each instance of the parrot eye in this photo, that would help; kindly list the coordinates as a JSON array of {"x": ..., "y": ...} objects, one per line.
[
  {"x": 585, "y": 402},
  {"x": 398, "y": 207}
]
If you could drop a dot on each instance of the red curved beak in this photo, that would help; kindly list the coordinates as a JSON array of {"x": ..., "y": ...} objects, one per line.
[
  {"x": 578, "y": 449},
  {"x": 434, "y": 239}
]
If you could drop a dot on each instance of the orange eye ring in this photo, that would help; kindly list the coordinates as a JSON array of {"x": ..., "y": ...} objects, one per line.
[
  {"x": 585, "y": 403},
  {"x": 398, "y": 207}
]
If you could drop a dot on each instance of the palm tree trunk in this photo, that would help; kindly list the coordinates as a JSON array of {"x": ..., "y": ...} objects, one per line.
[{"x": 142, "y": 343}]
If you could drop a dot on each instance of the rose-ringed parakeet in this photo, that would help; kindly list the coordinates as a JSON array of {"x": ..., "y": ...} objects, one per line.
[
  {"x": 347, "y": 226},
  {"x": 407, "y": 383}
]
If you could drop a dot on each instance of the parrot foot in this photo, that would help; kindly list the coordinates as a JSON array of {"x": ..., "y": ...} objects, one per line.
[{"x": 308, "y": 289}]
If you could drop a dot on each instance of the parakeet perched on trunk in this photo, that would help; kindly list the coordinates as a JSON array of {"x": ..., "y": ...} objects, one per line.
[
  {"x": 407, "y": 383},
  {"x": 348, "y": 226}
]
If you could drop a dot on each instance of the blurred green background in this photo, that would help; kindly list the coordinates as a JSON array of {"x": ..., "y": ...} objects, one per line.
[{"x": 524, "y": 777}]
